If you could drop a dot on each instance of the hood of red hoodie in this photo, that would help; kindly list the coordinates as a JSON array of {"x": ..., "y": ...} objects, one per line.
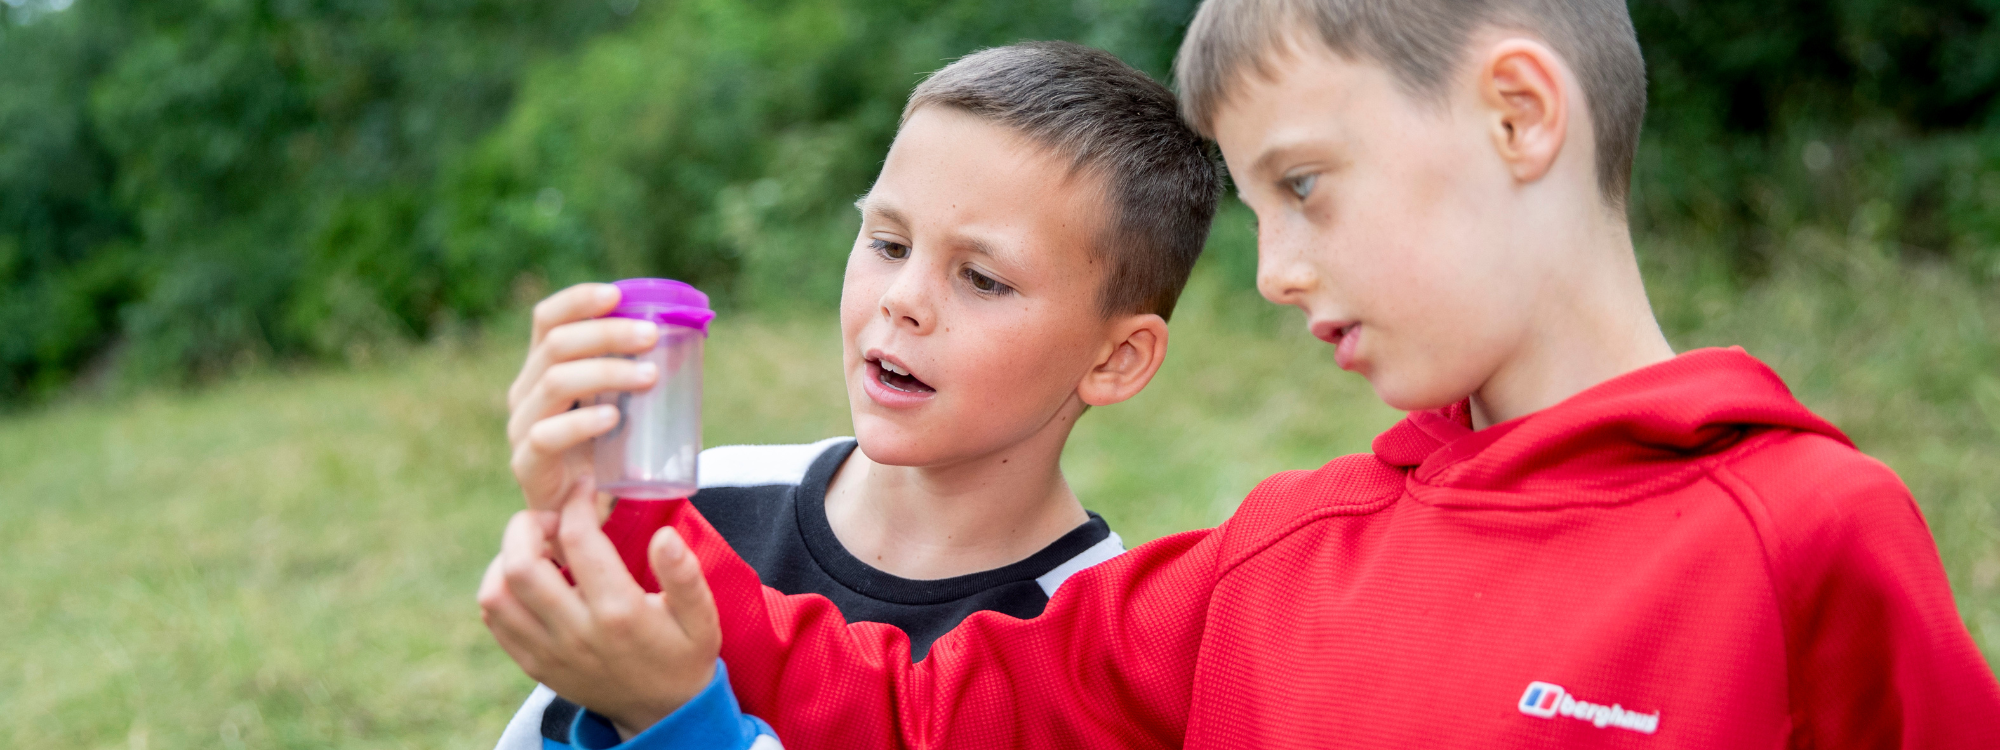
[{"x": 1633, "y": 435}]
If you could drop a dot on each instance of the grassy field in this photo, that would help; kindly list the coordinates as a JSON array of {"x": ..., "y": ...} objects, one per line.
[{"x": 287, "y": 560}]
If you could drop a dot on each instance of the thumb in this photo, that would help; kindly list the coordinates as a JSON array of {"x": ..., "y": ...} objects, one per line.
[{"x": 685, "y": 589}]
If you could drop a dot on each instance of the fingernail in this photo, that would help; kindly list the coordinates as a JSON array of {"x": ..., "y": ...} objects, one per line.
[
  {"x": 645, "y": 331},
  {"x": 607, "y": 413},
  {"x": 607, "y": 293},
  {"x": 673, "y": 547},
  {"x": 646, "y": 370}
]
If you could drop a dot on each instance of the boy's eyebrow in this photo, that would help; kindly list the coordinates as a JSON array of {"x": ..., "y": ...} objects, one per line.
[
  {"x": 1267, "y": 161},
  {"x": 1277, "y": 150},
  {"x": 869, "y": 204},
  {"x": 977, "y": 245},
  {"x": 890, "y": 213}
]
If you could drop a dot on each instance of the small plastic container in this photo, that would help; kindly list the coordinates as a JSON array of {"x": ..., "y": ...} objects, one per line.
[{"x": 651, "y": 454}]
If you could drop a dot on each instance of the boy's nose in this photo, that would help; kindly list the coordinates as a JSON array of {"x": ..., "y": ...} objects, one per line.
[
  {"x": 1283, "y": 276},
  {"x": 906, "y": 306}
]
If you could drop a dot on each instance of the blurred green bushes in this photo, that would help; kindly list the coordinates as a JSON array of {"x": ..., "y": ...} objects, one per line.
[
  {"x": 726, "y": 141},
  {"x": 1869, "y": 117},
  {"x": 188, "y": 185},
  {"x": 185, "y": 184}
]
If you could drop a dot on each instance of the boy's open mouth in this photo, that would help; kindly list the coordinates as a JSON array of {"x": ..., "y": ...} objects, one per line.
[{"x": 896, "y": 377}]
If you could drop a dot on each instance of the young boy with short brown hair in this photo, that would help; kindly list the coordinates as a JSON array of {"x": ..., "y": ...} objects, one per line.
[
  {"x": 1576, "y": 538},
  {"x": 1031, "y": 229}
]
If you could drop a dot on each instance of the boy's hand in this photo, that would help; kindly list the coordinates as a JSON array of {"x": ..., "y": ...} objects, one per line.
[
  {"x": 631, "y": 656},
  {"x": 568, "y": 364}
]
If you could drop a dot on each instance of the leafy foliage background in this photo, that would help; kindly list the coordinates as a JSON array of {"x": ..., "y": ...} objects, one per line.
[{"x": 188, "y": 186}]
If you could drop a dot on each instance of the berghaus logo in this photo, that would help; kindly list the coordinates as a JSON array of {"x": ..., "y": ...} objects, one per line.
[{"x": 1545, "y": 701}]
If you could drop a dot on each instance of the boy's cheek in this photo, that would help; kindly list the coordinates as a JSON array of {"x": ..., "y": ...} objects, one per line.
[
  {"x": 859, "y": 305},
  {"x": 862, "y": 282},
  {"x": 1022, "y": 390},
  {"x": 856, "y": 296}
]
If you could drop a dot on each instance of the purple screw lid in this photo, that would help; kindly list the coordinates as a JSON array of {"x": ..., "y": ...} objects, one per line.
[{"x": 663, "y": 301}]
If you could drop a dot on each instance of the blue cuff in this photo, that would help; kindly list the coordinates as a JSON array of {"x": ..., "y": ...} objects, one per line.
[{"x": 711, "y": 721}]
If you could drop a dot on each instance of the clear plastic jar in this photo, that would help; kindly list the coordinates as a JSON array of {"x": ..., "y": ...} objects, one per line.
[{"x": 651, "y": 454}]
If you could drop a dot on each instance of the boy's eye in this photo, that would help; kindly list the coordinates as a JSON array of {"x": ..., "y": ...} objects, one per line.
[
  {"x": 985, "y": 284},
  {"x": 890, "y": 250},
  {"x": 1302, "y": 185}
]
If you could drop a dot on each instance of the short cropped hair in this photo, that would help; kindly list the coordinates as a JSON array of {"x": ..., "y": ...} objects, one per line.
[
  {"x": 1421, "y": 42},
  {"x": 1113, "y": 123}
]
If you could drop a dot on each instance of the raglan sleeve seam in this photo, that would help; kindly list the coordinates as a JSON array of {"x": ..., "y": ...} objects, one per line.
[
  {"x": 1758, "y": 514},
  {"x": 1258, "y": 544}
]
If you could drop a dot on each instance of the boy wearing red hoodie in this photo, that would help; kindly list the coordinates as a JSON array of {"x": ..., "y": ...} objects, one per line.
[{"x": 1576, "y": 538}]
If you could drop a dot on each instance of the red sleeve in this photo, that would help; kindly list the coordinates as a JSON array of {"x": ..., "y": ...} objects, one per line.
[
  {"x": 1877, "y": 654},
  {"x": 1109, "y": 663}
]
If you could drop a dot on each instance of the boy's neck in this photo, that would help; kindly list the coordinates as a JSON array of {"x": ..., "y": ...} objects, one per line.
[
  {"x": 932, "y": 522},
  {"x": 1593, "y": 324}
]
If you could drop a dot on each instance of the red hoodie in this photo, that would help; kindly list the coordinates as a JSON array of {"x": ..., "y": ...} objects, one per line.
[{"x": 1683, "y": 556}]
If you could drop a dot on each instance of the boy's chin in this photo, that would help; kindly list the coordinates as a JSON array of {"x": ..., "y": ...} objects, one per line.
[
  {"x": 890, "y": 444},
  {"x": 1405, "y": 393}
]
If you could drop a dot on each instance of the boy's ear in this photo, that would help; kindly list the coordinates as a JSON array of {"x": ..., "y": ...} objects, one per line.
[
  {"x": 1137, "y": 344},
  {"x": 1527, "y": 102}
]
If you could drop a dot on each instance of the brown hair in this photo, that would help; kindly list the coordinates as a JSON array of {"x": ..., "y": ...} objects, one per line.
[
  {"x": 1421, "y": 41},
  {"x": 1112, "y": 122}
]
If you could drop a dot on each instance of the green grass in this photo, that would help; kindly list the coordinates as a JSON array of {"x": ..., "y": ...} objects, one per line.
[{"x": 288, "y": 559}]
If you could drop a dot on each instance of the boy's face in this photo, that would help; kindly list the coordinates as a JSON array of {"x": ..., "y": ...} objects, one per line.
[
  {"x": 1389, "y": 221},
  {"x": 969, "y": 310}
]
